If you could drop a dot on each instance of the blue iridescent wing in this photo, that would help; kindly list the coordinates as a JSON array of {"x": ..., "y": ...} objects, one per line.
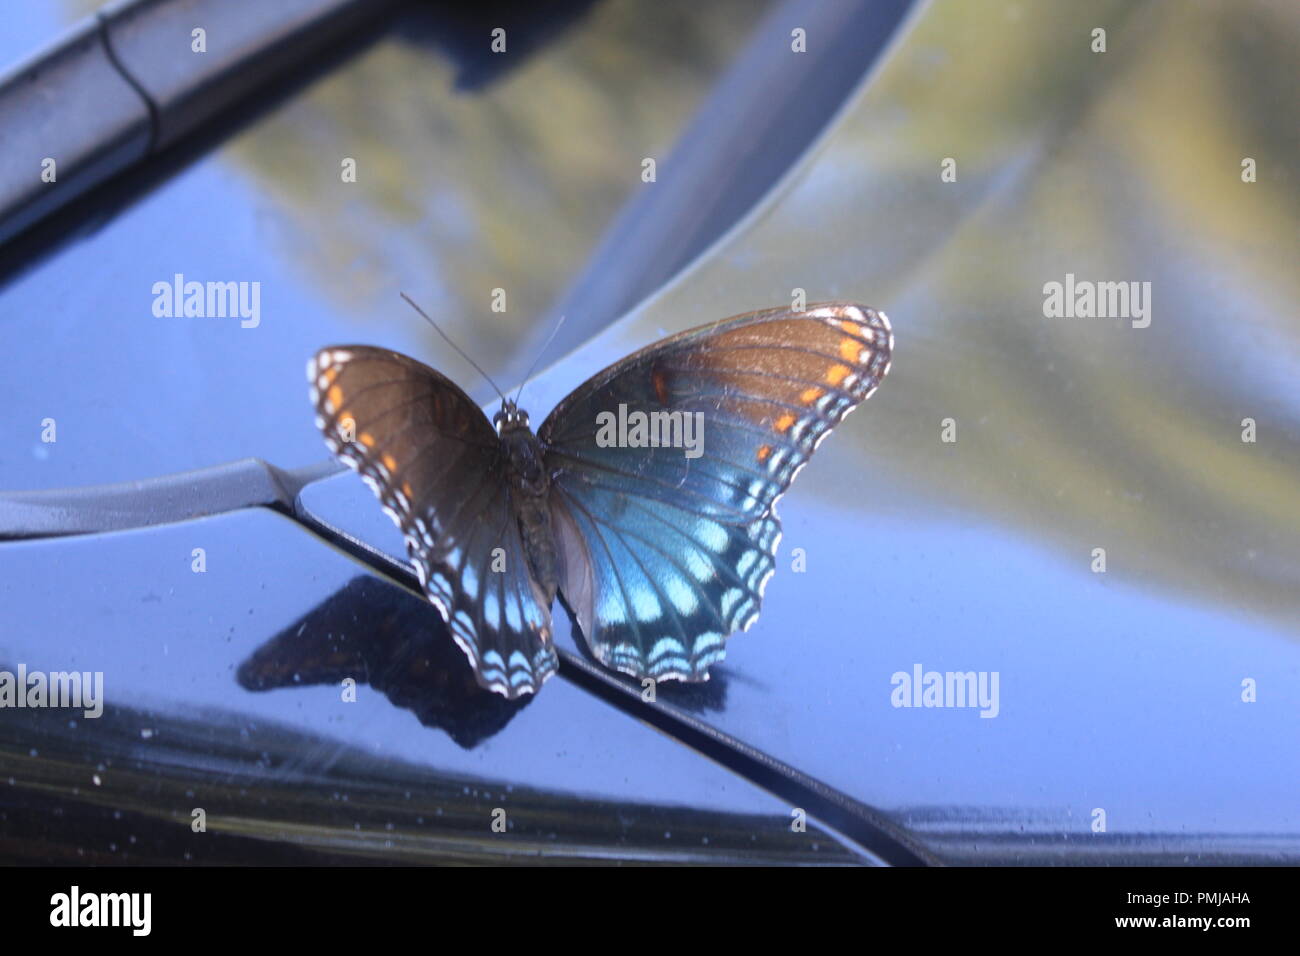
[
  {"x": 439, "y": 470},
  {"x": 665, "y": 555}
]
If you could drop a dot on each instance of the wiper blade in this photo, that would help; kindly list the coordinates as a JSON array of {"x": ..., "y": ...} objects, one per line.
[
  {"x": 126, "y": 83},
  {"x": 247, "y": 483}
]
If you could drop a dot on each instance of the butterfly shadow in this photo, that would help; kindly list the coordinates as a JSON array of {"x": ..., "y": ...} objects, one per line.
[
  {"x": 394, "y": 641},
  {"x": 708, "y": 696}
]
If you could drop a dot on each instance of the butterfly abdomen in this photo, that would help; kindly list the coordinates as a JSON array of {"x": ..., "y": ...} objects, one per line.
[{"x": 530, "y": 493}]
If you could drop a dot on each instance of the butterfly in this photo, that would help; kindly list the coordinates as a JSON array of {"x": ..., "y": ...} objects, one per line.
[{"x": 646, "y": 500}]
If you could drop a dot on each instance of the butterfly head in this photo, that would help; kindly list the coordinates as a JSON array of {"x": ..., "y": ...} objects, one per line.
[{"x": 510, "y": 417}]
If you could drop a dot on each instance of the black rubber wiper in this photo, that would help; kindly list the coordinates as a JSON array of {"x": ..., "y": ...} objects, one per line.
[
  {"x": 247, "y": 483},
  {"x": 130, "y": 81}
]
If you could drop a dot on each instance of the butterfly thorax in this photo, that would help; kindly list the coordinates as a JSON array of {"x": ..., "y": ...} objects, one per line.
[{"x": 530, "y": 487}]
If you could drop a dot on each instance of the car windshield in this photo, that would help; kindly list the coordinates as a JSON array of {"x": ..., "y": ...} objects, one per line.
[{"x": 1034, "y": 602}]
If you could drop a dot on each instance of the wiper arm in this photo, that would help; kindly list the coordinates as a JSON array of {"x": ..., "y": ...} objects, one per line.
[
  {"x": 247, "y": 483},
  {"x": 127, "y": 83}
]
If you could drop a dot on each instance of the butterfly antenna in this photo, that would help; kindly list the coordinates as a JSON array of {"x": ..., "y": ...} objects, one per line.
[
  {"x": 549, "y": 339},
  {"x": 459, "y": 351}
]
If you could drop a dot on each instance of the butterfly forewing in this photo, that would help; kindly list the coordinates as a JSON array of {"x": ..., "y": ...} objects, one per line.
[
  {"x": 437, "y": 466},
  {"x": 666, "y": 554}
]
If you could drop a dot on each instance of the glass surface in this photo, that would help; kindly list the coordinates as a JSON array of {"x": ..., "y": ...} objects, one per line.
[{"x": 1121, "y": 693}]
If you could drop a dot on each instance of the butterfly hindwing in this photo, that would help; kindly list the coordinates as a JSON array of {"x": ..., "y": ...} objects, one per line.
[
  {"x": 438, "y": 468},
  {"x": 666, "y": 553}
]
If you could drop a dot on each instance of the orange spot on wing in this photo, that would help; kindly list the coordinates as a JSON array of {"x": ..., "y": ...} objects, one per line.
[
  {"x": 366, "y": 439},
  {"x": 335, "y": 395},
  {"x": 389, "y": 462},
  {"x": 850, "y": 349},
  {"x": 764, "y": 453},
  {"x": 660, "y": 383},
  {"x": 810, "y": 395},
  {"x": 331, "y": 374},
  {"x": 837, "y": 373},
  {"x": 784, "y": 422}
]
